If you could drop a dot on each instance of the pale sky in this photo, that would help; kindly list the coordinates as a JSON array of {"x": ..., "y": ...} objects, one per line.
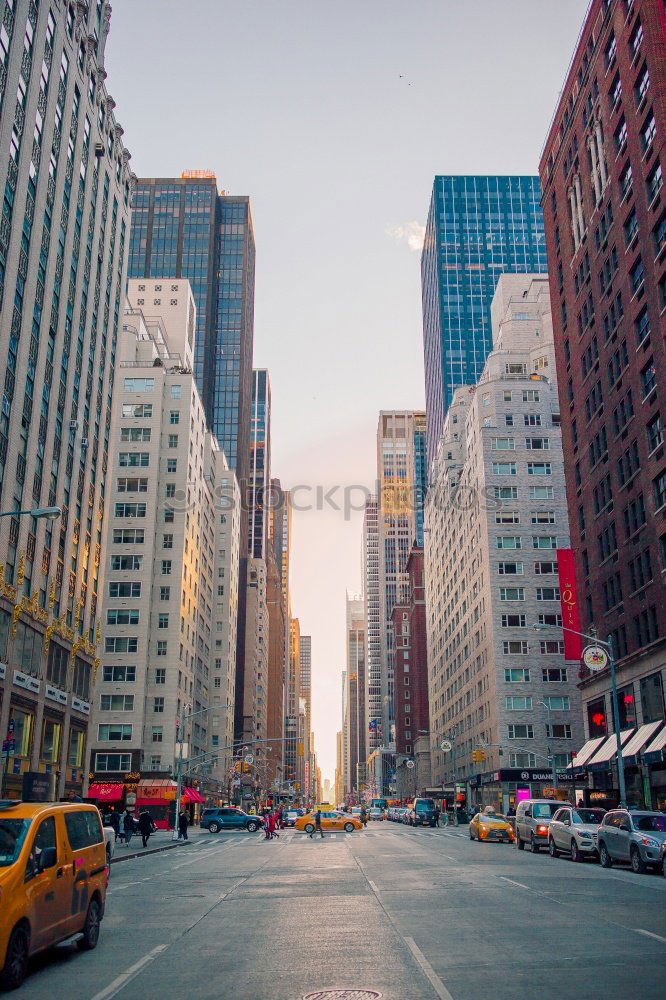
[{"x": 334, "y": 118}]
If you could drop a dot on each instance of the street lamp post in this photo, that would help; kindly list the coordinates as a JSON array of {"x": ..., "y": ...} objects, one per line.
[
  {"x": 551, "y": 754},
  {"x": 608, "y": 646},
  {"x": 179, "y": 763},
  {"x": 33, "y": 512}
]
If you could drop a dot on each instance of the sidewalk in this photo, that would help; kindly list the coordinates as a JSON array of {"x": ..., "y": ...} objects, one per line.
[{"x": 162, "y": 840}]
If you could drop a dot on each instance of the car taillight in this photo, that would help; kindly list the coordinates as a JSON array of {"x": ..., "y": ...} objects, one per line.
[{"x": 542, "y": 829}]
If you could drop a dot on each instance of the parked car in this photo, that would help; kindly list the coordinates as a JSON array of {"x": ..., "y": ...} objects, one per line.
[
  {"x": 228, "y": 818},
  {"x": 574, "y": 831},
  {"x": 53, "y": 880},
  {"x": 634, "y": 837},
  {"x": 491, "y": 826},
  {"x": 663, "y": 859},
  {"x": 376, "y": 814},
  {"x": 533, "y": 818},
  {"x": 330, "y": 820},
  {"x": 421, "y": 811}
]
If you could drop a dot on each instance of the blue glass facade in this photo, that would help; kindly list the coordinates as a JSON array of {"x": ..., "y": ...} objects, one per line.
[
  {"x": 182, "y": 228},
  {"x": 478, "y": 228}
]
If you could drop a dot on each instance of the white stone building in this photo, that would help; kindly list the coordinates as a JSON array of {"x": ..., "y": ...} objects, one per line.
[
  {"x": 172, "y": 543},
  {"x": 496, "y": 514}
]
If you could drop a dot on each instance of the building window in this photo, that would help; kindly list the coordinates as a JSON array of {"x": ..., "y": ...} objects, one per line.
[
  {"x": 160, "y": 675},
  {"x": 116, "y": 702},
  {"x": 550, "y": 646},
  {"x": 173, "y": 440},
  {"x": 165, "y": 593},
  {"x": 121, "y": 644},
  {"x": 539, "y": 469},
  {"x": 512, "y": 593},
  {"x": 163, "y": 620},
  {"x": 515, "y": 703},
  {"x": 544, "y": 541},
  {"x": 558, "y": 730},
  {"x": 119, "y": 675},
  {"x": 113, "y": 733},
  {"x": 504, "y": 468},
  {"x": 515, "y": 647},
  {"x": 138, "y": 384},
  {"x": 521, "y": 732},
  {"x": 174, "y": 416},
  {"x": 517, "y": 675},
  {"x": 503, "y": 444},
  {"x": 554, "y": 675},
  {"x": 161, "y": 647},
  {"x": 158, "y": 705},
  {"x": 510, "y": 569},
  {"x": 157, "y": 734},
  {"x": 514, "y": 621},
  {"x": 113, "y": 762},
  {"x": 557, "y": 703},
  {"x": 172, "y": 464},
  {"x": 509, "y": 542},
  {"x": 175, "y": 392},
  {"x": 166, "y": 567},
  {"x": 548, "y": 593},
  {"x": 167, "y": 541},
  {"x": 652, "y": 697}
]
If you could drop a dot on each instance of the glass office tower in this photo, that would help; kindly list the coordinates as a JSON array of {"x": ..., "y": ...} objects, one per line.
[
  {"x": 182, "y": 228},
  {"x": 478, "y": 227}
]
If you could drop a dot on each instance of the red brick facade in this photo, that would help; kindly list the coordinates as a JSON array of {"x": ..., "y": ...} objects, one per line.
[{"x": 604, "y": 208}]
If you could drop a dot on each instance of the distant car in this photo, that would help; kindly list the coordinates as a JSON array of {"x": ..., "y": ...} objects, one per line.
[
  {"x": 574, "y": 831},
  {"x": 633, "y": 837},
  {"x": 330, "y": 820},
  {"x": 228, "y": 818},
  {"x": 354, "y": 811},
  {"x": 533, "y": 818},
  {"x": 375, "y": 813},
  {"x": 291, "y": 815},
  {"x": 491, "y": 826}
]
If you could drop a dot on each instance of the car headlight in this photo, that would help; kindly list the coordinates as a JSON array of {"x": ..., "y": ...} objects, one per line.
[{"x": 649, "y": 842}]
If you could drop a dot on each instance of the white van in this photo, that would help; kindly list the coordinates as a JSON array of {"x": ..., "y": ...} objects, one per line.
[{"x": 533, "y": 818}]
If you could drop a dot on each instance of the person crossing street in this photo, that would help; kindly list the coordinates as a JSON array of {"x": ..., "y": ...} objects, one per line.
[{"x": 317, "y": 820}]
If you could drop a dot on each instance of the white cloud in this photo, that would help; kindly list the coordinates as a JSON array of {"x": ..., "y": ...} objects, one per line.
[{"x": 412, "y": 233}]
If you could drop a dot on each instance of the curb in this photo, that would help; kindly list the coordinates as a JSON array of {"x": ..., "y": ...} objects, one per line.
[{"x": 145, "y": 852}]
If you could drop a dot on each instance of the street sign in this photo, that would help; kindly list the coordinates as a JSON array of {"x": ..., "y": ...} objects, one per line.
[
  {"x": 410, "y": 764},
  {"x": 446, "y": 746},
  {"x": 595, "y": 658}
]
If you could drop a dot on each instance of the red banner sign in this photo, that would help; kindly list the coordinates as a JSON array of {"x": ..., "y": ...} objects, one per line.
[{"x": 569, "y": 602}]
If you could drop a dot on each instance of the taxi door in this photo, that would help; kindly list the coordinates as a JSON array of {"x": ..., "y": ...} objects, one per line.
[{"x": 45, "y": 898}]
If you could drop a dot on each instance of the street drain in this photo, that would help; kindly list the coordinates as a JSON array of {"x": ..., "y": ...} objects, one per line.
[{"x": 342, "y": 995}]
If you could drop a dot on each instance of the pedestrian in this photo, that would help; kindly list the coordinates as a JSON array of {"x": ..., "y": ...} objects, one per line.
[
  {"x": 267, "y": 826},
  {"x": 364, "y": 816},
  {"x": 114, "y": 821},
  {"x": 183, "y": 823},
  {"x": 128, "y": 826},
  {"x": 317, "y": 825},
  {"x": 276, "y": 824},
  {"x": 437, "y": 815},
  {"x": 146, "y": 826}
]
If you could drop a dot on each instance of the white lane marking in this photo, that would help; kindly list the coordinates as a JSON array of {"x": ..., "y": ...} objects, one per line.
[
  {"x": 657, "y": 937},
  {"x": 436, "y": 983},
  {"x": 121, "y": 981},
  {"x": 373, "y": 887},
  {"x": 512, "y": 882}
]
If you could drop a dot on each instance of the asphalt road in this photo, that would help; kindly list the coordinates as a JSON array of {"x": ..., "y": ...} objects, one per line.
[{"x": 410, "y": 914}]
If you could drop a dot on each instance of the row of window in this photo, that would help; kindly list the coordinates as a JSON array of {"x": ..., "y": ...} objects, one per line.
[
  {"x": 518, "y": 568},
  {"x": 518, "y": 593},
  {"x": 522, "y": 675},
  {"x": 516, "y": 542},
  {"x": 511, "y": 469},
  {"x": 525, "y": 731}
]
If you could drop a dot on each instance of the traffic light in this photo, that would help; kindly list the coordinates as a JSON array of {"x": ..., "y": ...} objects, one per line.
[{"x": 478, "y": 756}]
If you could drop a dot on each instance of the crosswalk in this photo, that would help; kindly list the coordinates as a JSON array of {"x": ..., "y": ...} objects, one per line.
[{"x": 337, "y": 836}]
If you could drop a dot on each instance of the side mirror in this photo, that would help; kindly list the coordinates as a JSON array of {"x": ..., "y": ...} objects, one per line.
[
  {"x": 47, "y": 858},
  {"x": 625, "y": 825}
]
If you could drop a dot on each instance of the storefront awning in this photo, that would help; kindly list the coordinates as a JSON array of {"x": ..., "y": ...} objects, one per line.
[
  {"x": 192, "y": 795},
  {"x": 106, "y": 791},
  {"x": 586, "y": 751},
  {"x": 654, "y": 752},
  {"x": 608, "y": 750},
  {"x": 156, "y": 788},
  {"x": 640, "y": 738}
]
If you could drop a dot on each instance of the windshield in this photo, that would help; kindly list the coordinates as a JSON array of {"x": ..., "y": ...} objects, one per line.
[
  {"x": 544, "y": 810},
  {"x": 425, "y": 805},
  {"x": 492, "y": 817},
  {"x": 12, "y": 835},
  {"x": 594, "y": 816},
  {"x": 651, "y": 823}
]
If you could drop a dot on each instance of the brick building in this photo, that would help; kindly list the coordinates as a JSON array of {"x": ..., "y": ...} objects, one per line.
[{"x": 605, "y": 220}]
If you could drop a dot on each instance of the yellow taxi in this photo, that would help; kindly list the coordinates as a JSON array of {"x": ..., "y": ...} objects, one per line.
[
  {"x": 53, "y": 880},
  {"x": 330, "y": 820},
  {"x": 490, "y": 825}
]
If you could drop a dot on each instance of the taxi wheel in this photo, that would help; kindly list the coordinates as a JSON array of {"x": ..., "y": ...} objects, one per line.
[
  {"x": 91, "y": 927},
  {"x": 16, "y": 963},
  {"x": 349, "y": 827},
  {"x": 309, "y": 828}
]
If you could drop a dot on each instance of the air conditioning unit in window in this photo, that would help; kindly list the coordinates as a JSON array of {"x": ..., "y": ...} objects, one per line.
[
  {"x": 99, "y": 150},
  {"x": 73, "y": 425},
  {"x": 84, "y": 442}
]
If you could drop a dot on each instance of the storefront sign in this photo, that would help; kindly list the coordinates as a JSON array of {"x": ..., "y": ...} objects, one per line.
[
  {"x": 521, "y": 776},
  {"x": 55, "y": 694},
  {"x": 26, "y": 681},
  {"x": 80, "y": 706},
  {"x": 566, "y": 569},
  {"x": 38, "y": 787}
]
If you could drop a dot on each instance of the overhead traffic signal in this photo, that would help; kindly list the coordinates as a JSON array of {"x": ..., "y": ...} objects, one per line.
[{"x": 478, "y": 756}]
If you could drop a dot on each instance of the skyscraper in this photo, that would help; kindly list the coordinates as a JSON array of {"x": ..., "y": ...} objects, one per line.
[
  {"x": 260, "y": 464},
  {"x": 305, "y": 655},
  {"x": 401, "y": 476},
  {"x": 63, "y": 234},
  {"x": 373, "y": 633},
  {"x": 478, "y": 228},
  {"x": 182, "y": 227}
]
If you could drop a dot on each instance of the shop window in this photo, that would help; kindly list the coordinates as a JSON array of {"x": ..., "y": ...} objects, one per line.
[
  {"x": 24, "y": 723},
  {"x": 596, "y": 718},
  {"x": 652, "y": 697},
  {"x": 626, "y": 701},
  {"x": 76, "y": 751},
  {"x": 50, "y": 741}
]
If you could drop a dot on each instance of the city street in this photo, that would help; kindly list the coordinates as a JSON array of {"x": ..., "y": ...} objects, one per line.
[{"x": 407, "y": 913}]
